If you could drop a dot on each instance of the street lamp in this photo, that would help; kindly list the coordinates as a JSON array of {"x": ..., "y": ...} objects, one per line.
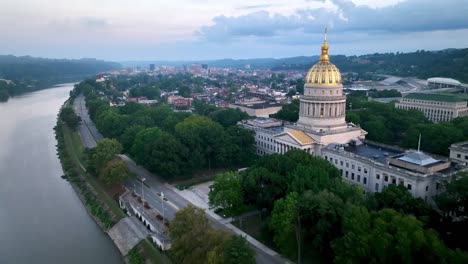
[
  {"x": 162, "y": 204},
  {"x": 142, "y": 190}
]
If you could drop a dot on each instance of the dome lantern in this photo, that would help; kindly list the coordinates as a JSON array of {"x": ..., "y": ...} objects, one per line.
[{"x": 324, "y": 73}]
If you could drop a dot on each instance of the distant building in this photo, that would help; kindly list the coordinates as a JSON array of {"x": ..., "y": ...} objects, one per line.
[
  {"x": 152, "y": 67},
  {"x": 438, "y": 82},
  {"x": 436, "y": 107},
  {"x": 258, "y": 109},
  {"x": 459, "y": 152},
  {"x": 179, "y": 102}
]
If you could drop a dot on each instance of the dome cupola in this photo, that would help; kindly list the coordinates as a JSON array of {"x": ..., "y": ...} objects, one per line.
[{"x": 323, "y": 73}]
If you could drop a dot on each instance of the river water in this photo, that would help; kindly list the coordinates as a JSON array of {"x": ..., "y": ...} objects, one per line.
[{"x": 41, "y": 218}]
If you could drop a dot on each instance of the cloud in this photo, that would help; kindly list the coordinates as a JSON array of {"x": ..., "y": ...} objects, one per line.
[
  {"x": 253, "y": 7},
  {"x": 94, "y": 22},
  {"x": 341, "y": 16}
]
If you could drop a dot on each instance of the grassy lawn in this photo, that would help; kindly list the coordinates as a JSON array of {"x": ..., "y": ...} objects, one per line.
[{"x": 76, "y": 150}]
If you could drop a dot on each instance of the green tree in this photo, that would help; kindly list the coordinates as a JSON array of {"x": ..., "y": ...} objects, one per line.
[
  {"x": 228, "y": 117},
  {"x": 435, "y": 138},
  {"x": 205, "y": 139},
  {"x": 237, "y": 250},
  {"x": 397, "y": 197},
  {"x": 289, "y": 112},
  {"x": 240, "y": 146},
  {"x": 104, "y": 152},
  {"x": 168, "y": 156},
  {"x": 193, "y": 239},
  {"x": 128, "y": 137},
  {"x": 285, "y": 223},
  {"x": 454, "y": 201},
  {"x": 322, "y": 215},
  {"x": 387, "y": 236},
  {"x": 143, "y": 145},
  {"x": 68, "y": 116},
  {"x": 115, "y": 172},
  {"x": 111, "y": 123},
  {"x": 226, "y": 192}
]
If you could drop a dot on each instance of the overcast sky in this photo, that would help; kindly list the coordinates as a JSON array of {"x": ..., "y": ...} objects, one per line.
[{"x": 214, "y": 29}]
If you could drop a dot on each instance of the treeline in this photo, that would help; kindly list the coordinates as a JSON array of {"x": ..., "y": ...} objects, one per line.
[
  {"x": 452, "y": 63},
  {"x": 172, "y": 143},
  {"x": 30, "y": 74},
  {"x": 386, "y": 124},
  {"x": 312, "y": 210},
  {"x": 73, "y": 173}
]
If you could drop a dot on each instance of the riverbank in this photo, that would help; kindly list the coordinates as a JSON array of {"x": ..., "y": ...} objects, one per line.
[
  {"x": 40, "y": 212},
  {"x": 98, "y": 200}
]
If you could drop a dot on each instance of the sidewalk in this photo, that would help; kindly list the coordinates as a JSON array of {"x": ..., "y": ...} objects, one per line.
[{"x": 196, "y": 200}]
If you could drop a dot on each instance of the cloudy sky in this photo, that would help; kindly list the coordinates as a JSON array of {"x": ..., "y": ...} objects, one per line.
[{"x": 214, "y": 29}]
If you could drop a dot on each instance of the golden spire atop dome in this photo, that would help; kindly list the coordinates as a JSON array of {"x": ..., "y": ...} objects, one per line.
[
  {"x": 324, "y": 56},
  {"x": 324, "y": 73}
]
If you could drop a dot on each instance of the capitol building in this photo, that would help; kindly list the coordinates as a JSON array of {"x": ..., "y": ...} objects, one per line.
[{"x": 323, "y": 131}]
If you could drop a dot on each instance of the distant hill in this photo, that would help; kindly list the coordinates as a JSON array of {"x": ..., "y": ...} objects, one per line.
[
  {"x": 452, "y": 63},
  {"x": 30, "y": 73}
]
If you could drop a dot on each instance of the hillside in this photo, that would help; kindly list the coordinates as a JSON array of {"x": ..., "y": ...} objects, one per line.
[
  {"x": 29, "y": 73},
  {"x": 451, "y": 63}
]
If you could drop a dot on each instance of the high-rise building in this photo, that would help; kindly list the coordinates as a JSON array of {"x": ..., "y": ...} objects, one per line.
[{"x": 152, "y": 67}]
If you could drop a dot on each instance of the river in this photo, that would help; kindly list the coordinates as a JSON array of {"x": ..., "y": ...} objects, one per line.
[{"x": 42, "y": 220}]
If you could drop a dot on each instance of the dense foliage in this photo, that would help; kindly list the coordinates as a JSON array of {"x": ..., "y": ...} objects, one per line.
[
  {"x": 68, "y": 116},
  {"x": 289, "y": 112},
  {"x": 195, "y": 241},
  {"x": 312, "y": 209},
  {"x": 171, "y": 143}
]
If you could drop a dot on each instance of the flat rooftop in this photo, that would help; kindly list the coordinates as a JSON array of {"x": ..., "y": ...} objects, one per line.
[
  {"x": 264, "y": 120},
  {"x": 276, "y": 129},
  {"x": 434, "y": 97},
  {"x": 259, "y": 106},
  {"x": 374, "y": 152}
]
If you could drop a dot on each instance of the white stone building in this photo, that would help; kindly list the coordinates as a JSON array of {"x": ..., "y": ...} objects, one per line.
[
  {"x": 436, "y": 107},
  {"x": 322, "y": 130},
  {"x": 459, "y": 152}
]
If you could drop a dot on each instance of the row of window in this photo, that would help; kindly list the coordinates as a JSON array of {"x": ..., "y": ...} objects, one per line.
[
  {"x": 357, "y": 177},
  {"x": 459, "y": 156},
  {"x": 353, "y": 167}
]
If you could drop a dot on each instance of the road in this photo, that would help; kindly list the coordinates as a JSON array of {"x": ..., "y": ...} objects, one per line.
[
  {"x": 153, "y": 185},
  {"x": 85, "y": 133}
]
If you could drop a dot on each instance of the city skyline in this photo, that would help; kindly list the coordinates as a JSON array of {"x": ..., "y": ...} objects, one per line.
[{"x": 204, "y": 30}]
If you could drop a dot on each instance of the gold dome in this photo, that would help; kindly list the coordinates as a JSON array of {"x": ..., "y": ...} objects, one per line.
[{"x": 324, "y": 73}]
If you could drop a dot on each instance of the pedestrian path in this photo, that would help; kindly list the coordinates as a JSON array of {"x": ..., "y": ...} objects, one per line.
[{"x": 196, "y": 200}]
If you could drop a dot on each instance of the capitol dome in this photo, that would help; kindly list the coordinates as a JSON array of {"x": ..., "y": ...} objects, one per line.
[{"x": 323, "y": 73}]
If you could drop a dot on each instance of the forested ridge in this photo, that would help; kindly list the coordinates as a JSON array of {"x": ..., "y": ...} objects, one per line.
[
  {"x": 26, "y": 74},
  {"x": 452, "y": 63}
]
